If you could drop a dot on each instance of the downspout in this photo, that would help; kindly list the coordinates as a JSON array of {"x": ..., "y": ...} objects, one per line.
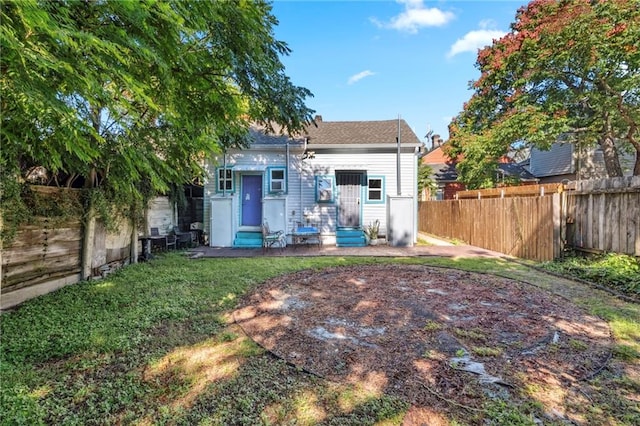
[
  {"x": 301, "y": 170},
  {"x": 224, "y": 173},
  {"x": 286, "y": 202},
  {"x": 399, "y": 184}
]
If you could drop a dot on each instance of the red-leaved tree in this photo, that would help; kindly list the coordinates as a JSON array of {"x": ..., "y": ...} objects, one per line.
[{"x": 568, "y": 68}]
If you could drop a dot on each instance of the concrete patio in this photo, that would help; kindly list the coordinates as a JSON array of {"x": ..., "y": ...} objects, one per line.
[{"x": 434, "y": 247}]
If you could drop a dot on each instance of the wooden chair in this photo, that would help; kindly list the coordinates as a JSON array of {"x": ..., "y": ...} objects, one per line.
[
  {"x": 271, "y": 238},
  {"x": 171, "y": 241}
]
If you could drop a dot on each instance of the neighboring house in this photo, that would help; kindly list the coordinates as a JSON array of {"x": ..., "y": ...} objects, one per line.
[
  {"x": 337, "y": 177},
  {"x": 444, "y": 172},
  {"x": 445, "y": 175},
  {"x": 568, "y": 162}
]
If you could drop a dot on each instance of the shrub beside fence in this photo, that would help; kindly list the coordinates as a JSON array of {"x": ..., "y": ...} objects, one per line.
[{"x": 600, "y": 215}]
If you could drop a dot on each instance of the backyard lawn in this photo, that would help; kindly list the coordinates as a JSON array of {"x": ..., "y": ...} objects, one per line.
[{"x": 159, "y": 343}]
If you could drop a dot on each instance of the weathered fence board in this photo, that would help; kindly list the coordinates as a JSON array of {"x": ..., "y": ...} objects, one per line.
[
  {"x": 604, "y": 215},
  {"x": 41, "y": 251},
  {"x": 46, "y": 254}
]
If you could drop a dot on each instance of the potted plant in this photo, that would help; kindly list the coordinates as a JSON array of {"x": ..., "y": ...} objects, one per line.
[{"x": 371, "y": 231}]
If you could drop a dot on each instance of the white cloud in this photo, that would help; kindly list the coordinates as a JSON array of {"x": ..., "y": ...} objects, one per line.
[
  {"x": 416, "y": 16},
  {"x": 357, "y": 77},
  {"x": 474, "y": 40},
  {"x": 487, "y": 24}
]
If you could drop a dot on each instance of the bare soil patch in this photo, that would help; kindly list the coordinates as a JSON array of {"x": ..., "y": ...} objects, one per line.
[{"x": 446, "y": 340}]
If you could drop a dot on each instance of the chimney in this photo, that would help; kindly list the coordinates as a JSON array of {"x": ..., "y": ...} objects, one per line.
[
  {"x": 436, "y": 141},
  {"x": 318, "y": 119}
]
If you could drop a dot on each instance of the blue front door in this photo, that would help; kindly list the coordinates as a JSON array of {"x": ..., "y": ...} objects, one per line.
[{"x": 251, "y": 200}]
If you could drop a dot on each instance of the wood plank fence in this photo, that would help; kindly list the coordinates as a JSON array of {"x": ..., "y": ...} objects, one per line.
[
  {"x": 517, "y": 226},
  {"x": 47, "y": 253},
  {"x": 538, "y": 222},
  {"x": 604, "y": 215}
]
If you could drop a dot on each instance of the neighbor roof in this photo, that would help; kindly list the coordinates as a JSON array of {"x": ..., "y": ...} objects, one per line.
[
  {"x": 260, "y": 136},
  {"x": 359, "y": 132}
]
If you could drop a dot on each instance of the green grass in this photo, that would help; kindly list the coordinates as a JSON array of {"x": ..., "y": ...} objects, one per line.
[{"x": 153, "y": 344}]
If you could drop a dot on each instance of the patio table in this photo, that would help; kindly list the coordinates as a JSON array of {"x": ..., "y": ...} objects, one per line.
[
  {"x": 146, "y": 244},
  {"x": 306, "y": 235}
]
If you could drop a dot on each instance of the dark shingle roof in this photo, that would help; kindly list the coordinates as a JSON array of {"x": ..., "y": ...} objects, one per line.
[
  {"x": 447, "y": 172},
  {"x": 516, "y": 170},
  {"x": 259, "y": 136},
  {"x": 360, "y": 132}
]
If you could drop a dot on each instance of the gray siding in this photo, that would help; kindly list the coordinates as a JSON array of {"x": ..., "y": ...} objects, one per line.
[{"x": 556, "y": 161}]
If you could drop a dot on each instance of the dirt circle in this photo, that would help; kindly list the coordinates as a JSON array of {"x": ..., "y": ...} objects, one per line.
[{"x": 434, "y": 336}]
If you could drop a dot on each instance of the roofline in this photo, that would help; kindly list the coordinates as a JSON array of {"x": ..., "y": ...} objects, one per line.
[
  {"x": 362, "y": 145},
  {"x": 294, "y": 146}
]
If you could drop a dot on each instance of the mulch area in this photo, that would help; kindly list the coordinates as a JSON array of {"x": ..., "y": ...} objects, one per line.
[{"x": 443, "y": 339}]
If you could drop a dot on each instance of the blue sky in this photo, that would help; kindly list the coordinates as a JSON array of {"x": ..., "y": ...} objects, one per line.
[{"x": 377, "y": 60}]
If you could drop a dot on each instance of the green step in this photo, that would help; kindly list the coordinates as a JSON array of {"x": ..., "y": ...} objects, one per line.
[
  {"x": 246, "y": 239},
  {"x": 350, "y": 238}
]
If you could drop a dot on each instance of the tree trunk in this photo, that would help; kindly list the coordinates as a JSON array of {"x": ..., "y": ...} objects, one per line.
[
  {"x": 611, "y": 159},
  {"x": 633, "y": 130}
]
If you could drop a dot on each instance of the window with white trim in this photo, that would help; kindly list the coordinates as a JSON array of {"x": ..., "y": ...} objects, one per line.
[
  {"x": 277, "y": 181},
  {"x": 225, "y": 180},
  {"x": 375, "y": 189}
]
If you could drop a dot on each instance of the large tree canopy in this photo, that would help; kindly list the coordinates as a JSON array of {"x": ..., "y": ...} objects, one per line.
[
  {"x": 568, "y": 68},
  {"x": 124, "y": 95}
]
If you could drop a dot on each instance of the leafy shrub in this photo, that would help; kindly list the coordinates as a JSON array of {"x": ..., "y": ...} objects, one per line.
[{"x": 617, "y": 271}]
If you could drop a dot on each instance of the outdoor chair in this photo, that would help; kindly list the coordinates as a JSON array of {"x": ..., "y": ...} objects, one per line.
[
  {"x": 185, "y": 239},
  {"x": 271, "y": 238},
  {"x": 171, "y": 241}
]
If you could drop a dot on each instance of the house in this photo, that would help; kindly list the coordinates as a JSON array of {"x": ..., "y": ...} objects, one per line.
[
  {"x": 445, "y": 175},
  {"x": 337, "y": 177},
  {"x": 443, "y": 170},
  {"x": 568, "y": 161}
]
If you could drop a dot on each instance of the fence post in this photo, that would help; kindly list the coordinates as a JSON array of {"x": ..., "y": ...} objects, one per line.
[
  {"x": 133, "y": 252},
  {"x": 88, "y": 241},
  {"x": 558, "y": 228}
]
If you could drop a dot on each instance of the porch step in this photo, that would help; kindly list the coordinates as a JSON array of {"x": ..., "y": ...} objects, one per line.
[
  {"x": 245, "y": 239},
  {"x": 350, "y": 238}
]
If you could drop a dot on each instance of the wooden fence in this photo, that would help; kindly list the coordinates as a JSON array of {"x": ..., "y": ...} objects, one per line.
[
  {"x": 539, "y": 223},
  {"x": 604, "y": 215},
  {"x": 511, "y": 191},
  {"x": 47, "y": 253},
  {"x": 525, "y": 227}
]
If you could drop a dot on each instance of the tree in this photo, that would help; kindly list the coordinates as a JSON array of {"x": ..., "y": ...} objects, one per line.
[
  {"x": 425, "y": 181},
  {"x": 126, "y": 97},
  {"x": 568, "y": 68}
]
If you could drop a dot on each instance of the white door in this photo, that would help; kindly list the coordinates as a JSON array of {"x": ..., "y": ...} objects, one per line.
[{"x": 221, "y": 228}]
